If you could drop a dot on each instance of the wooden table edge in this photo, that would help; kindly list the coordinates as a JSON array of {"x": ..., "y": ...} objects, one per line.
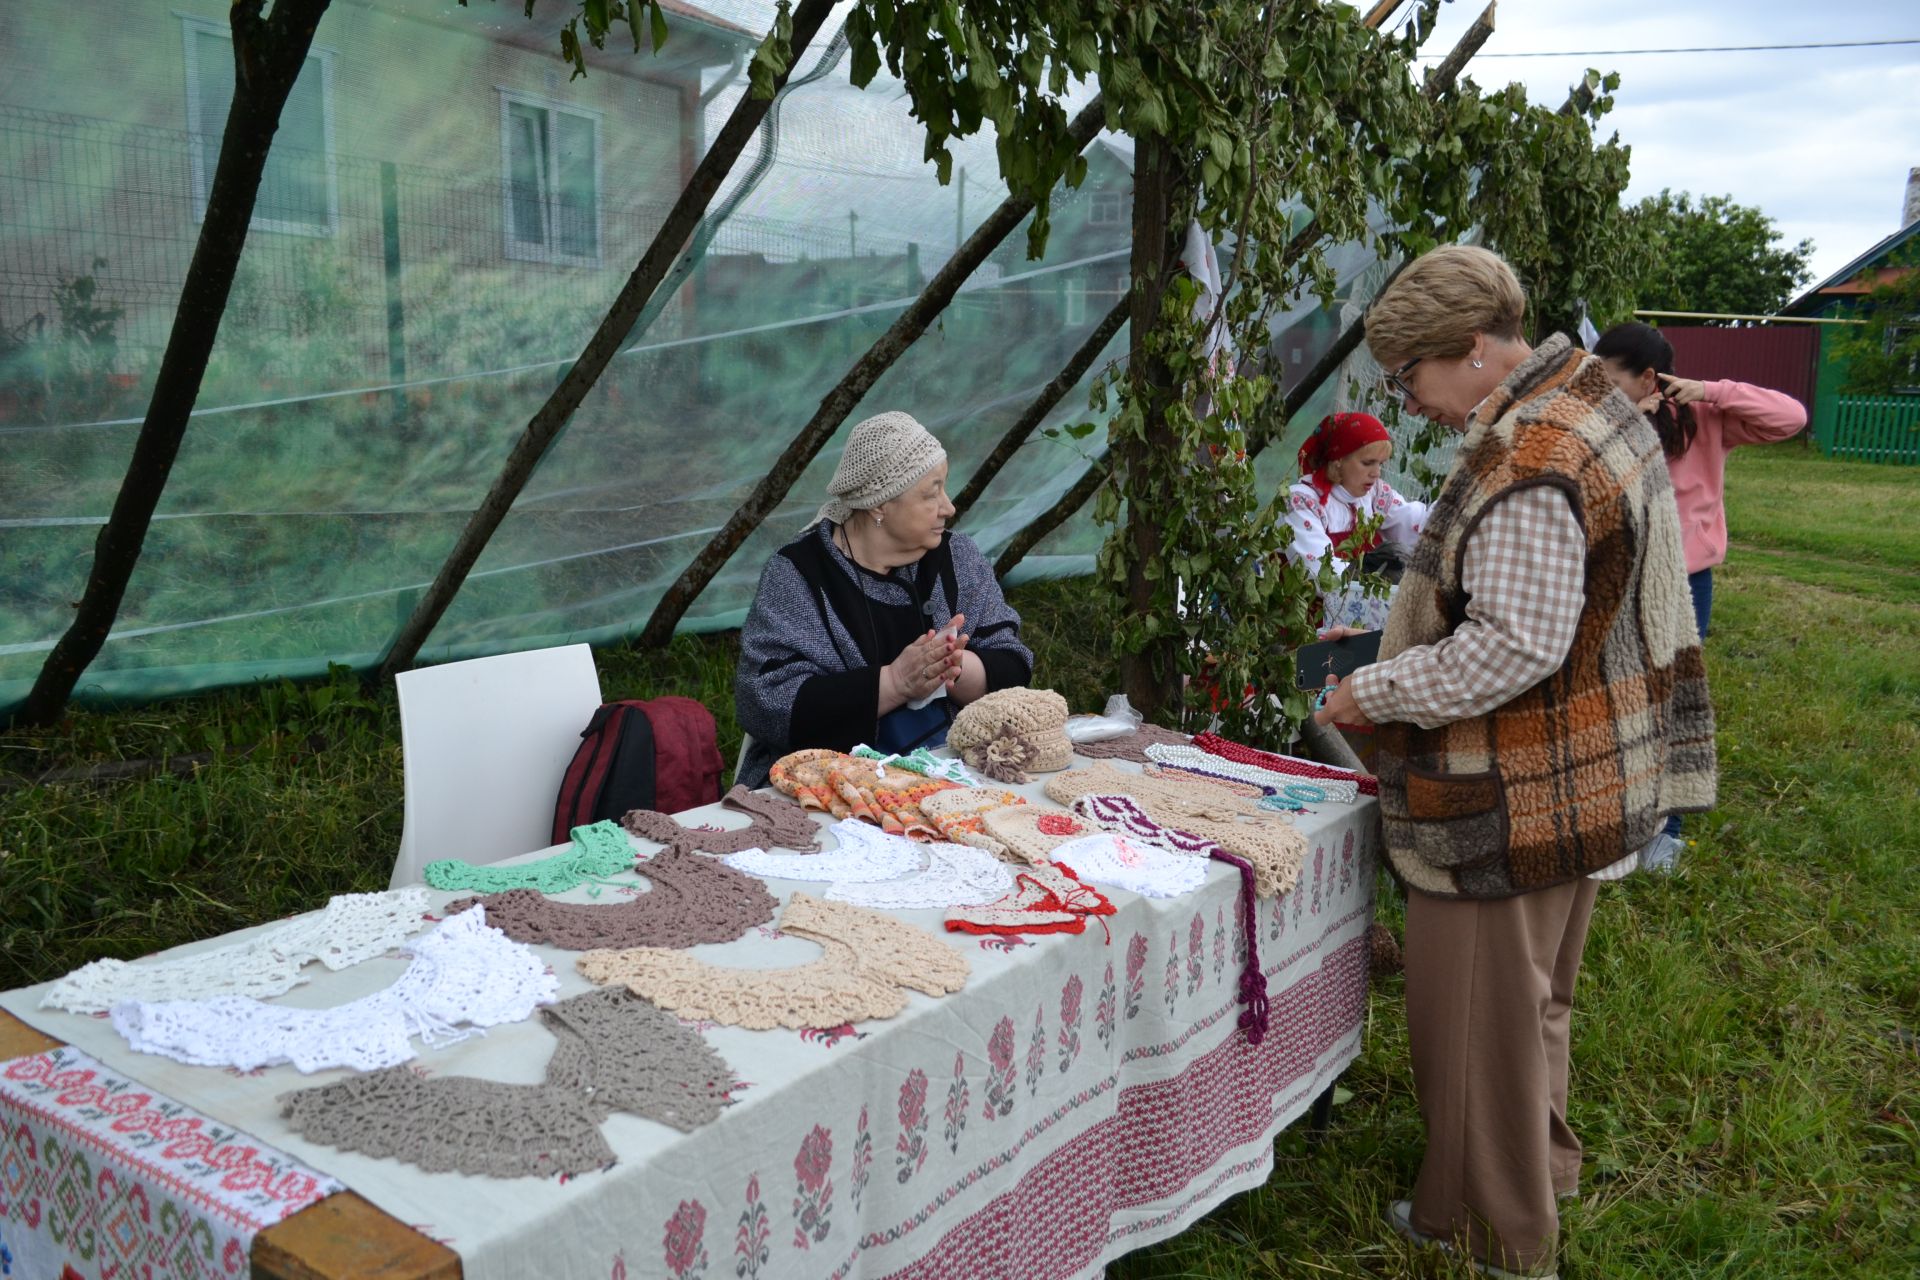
[{"x": 343, "y": 1237}]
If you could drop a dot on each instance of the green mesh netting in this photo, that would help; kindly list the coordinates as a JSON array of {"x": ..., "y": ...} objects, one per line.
[{"x": 443, "y": 221}]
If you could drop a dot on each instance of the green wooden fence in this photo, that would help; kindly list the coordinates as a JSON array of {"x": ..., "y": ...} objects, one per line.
[{"x": 1874, "y": 429}]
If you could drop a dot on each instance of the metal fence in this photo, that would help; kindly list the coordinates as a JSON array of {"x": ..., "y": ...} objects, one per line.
[
  {"x": 1874, "y": 429},
  {"x": 409, "y": 273}
]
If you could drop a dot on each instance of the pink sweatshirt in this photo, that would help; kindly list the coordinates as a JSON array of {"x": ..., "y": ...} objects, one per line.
[{"x": 1733, "y": 413}]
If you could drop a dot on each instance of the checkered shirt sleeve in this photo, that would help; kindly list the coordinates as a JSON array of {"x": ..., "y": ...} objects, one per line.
[{"x": 1524, "y": 572}]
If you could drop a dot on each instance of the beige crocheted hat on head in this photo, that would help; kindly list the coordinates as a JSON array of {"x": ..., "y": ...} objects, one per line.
[
  {"x": 885, "y": 456},
  {"x": 1009, "y": 732}
]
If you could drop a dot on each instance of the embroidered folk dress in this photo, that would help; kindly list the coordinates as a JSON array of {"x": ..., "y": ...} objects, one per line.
[{"x": 1323, "y": 531}]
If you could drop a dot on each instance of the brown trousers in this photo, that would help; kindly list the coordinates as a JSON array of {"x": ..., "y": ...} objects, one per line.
[{"x": 1489, "y": 993}]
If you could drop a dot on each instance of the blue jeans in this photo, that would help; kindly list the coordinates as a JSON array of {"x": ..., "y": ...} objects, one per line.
[{"x": 1701, "y": 586}]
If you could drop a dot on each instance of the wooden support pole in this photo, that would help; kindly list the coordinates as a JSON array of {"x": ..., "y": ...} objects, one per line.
[
  {"x": 1054, "y": 516},
  {"x": 268, "y": 51},
  {"x": 1042, "y": 405},
  {"x": 545, "y": 425},
  {"x": 840, "y": 401},
  {"x": 1441, "y": 80}
]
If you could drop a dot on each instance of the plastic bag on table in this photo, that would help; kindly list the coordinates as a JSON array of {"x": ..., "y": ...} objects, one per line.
[{"x": 1117, "y": 721}]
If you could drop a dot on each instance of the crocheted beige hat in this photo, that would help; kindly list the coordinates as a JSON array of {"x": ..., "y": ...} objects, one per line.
[
  {"x": 885, "y": 456},
  {"x": 1009, "y": 732}
]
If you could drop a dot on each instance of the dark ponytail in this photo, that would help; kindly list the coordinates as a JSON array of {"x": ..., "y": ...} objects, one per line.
[{"x": 1640, "y": 347}]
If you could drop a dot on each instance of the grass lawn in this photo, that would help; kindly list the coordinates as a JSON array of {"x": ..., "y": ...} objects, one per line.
[{"x": 1746, "y": 1074}]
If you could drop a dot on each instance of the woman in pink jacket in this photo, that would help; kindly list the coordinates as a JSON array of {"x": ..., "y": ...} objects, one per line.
[{"x": 1699, "y": 424}]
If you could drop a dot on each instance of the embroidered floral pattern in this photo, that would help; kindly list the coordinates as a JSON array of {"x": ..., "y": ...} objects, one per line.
[
  {"x": 1070, "y": 1022},
  {"x": 1003, "y": 942},
  {"x": 911, "y": 1146},
  {"x": 1002, "y": 1090},
  {"x": 1037, "y": 1051},
  {"x": 130, "y": 1183},
  {"x": 1279, "y": 917},
  {"x": 1136, "y": 973},
  {"x": 1219, "y": 943},
  {"x": 1319, "y": 868},
  {"x": 1196, "y": 953},
  {"x": 958, "y": 1096},
  {"x": 753, "y": 1234},
  {"x": 685, "y": 1247},
  {"x": 1346, "y": 862},
  {"x": 1103, "y": 1012},
  {"x": 830, "y": 1036},
  {"x": 862, "y": 1157},
  {"x": 813, "y": 1193},
  {"x": 1173, "y": 971}
]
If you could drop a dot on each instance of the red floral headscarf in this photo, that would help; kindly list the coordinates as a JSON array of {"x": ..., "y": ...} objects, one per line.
[{"x": 1338, "y": 435}]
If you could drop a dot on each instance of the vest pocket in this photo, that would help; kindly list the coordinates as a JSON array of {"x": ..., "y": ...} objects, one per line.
[{"x": 1458, "y": 821}]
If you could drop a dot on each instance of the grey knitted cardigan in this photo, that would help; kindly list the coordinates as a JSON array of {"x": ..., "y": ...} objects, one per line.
[{"x": 809, "y": 675}]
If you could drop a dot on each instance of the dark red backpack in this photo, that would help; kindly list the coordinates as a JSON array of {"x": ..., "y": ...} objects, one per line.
[{"x": 659, "y": 754}]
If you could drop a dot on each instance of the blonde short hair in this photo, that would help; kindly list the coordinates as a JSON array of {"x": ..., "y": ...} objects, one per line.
[{"x": 1441, "y": 301}]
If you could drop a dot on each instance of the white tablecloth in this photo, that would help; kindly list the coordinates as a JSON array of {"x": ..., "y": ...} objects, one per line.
[{"x": 1082, "y": 1097}]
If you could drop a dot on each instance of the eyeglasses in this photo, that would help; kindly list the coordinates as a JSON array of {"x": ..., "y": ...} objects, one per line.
[{"x": 1395, "y": 381}]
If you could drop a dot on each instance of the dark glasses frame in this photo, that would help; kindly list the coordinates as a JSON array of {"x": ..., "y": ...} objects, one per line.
[{"x": 1394, "y": 383}]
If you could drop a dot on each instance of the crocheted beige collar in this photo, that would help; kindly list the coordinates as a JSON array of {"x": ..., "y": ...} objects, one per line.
[{"x": 868, "y": 963}]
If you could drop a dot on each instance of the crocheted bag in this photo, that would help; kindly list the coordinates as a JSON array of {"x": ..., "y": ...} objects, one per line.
[{"x": 661, "y": 754}]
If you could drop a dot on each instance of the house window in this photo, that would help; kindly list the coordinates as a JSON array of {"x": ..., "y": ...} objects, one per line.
[
  {"x": 1898, "y": 334},
  {"x": 1076, "y": 301},
  {"x": 298, "y": 189},
  {"x": 551, "y": 169},
  {"x": 1109, "y": 207}
]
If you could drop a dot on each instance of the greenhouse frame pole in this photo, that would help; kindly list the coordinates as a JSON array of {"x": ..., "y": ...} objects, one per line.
[
  {"x": 268, "y": 53},
  {"x": 547, "y": 422},
  {"x": 1042, "y": 404},
  {"x": 1022, "y": 543},
  {"x": 840, "y": 401}
]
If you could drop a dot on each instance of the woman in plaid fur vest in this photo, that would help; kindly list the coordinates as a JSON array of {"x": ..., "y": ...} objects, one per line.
[{"x": 1542, "y": 707}]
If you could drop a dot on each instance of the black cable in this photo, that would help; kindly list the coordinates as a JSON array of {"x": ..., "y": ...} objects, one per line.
[{"x": 1717, "y": 48}]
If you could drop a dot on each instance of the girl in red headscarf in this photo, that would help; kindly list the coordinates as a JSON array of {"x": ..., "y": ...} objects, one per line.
[{"x": 1339, "y": 487}]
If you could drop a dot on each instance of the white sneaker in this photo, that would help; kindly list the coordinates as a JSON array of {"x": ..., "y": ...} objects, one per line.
[
  {"x": 1400, "y": 1217},
  {"x": 1661, "y": 856}
]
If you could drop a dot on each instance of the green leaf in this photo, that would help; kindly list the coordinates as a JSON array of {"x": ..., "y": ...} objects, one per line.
[{"x": 659, "y": 27}]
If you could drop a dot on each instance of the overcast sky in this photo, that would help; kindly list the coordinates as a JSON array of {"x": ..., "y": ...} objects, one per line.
[{"x": 1819, "y": 139}]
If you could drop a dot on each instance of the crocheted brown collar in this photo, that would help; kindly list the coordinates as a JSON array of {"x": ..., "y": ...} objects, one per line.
[
  {"x": 615, "y": 1052},
  {"x": 776, "y": 823},
  {"x": 693, "y": 900}
]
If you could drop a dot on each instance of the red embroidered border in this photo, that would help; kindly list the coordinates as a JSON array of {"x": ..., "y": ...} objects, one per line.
[{"x": 1164, "y": 1134}]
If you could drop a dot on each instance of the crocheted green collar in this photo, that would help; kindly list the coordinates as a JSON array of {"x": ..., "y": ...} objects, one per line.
[{"x": 598, "y": 851}]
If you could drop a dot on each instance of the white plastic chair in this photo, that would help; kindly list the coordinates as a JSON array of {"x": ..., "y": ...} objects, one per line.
[
  {"x": 484, "y": 745},
  {"x": 740, "y": 761}
]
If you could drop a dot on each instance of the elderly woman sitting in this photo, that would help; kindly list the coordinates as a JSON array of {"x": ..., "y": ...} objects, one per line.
[{"x": 878, "y": 621}]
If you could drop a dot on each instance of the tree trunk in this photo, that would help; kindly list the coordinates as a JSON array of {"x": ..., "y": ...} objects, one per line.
[
  {"x": 268, "y": 54},
  {"x": 1063, "y": 382},
  {"x": 681, "y": 222},
  {"x": 1150, "y": 677},
  {"x": 840, "y": 401}
]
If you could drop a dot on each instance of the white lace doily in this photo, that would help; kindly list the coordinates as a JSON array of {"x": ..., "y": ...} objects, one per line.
[
  {"x": 957, "y": 875},
  {"x": 865, "y": 853},
  {"x": 353, "y": 927},
  {"x": 1124, "y": 863},
  {"x": 464, "y": 975}
]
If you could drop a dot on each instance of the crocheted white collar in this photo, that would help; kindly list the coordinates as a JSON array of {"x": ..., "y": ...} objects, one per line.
[
  {"x": 464, "y": 973},
  {"x": 352, "y": 928}
]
